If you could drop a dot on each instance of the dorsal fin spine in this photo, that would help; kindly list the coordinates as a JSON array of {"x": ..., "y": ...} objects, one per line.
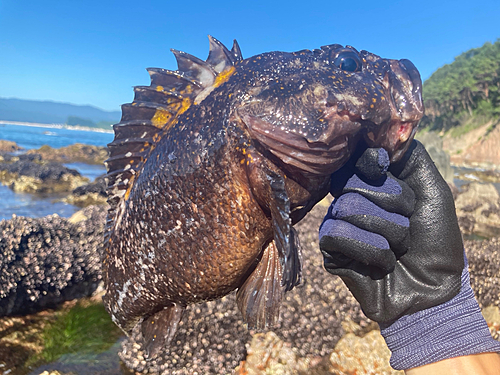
[{"x": 155, "y": 109}]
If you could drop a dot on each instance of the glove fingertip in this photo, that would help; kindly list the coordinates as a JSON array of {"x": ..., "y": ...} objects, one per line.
[{"x": 373, "y": 163}]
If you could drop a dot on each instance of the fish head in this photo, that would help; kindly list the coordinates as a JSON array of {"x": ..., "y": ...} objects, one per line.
[{"x": 309, "y": 109}]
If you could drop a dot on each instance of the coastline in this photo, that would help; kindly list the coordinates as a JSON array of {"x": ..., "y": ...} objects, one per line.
[{"x": 56, "y": 126}]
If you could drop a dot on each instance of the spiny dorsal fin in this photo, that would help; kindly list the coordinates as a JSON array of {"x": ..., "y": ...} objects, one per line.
[
  {"x": 154, "y": 111},
  {"x": 236, "y": 51}
]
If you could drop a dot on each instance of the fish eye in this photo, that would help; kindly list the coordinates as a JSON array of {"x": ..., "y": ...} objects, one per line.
[{"x": 348, "y": 61}]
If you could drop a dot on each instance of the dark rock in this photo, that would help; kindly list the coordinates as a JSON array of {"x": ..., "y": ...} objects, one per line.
[
  {"x": 46, "y": 261},
  {"x": 98, "y": 186},
  {"x": 10, "y": 158},
  {"x": 76, "y": 153},
  {"x": 30, "y": 176},
  {"x": 50, "y": 171},
  {"x": 89, "y": 194},
  {"x": 478, "y": 210}
]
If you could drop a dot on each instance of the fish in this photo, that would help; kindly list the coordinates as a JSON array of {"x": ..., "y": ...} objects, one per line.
[{"x": 213, "y": 163}]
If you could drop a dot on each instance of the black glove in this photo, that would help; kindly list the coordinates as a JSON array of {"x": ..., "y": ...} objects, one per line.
[{"x": 392, "y": 236}]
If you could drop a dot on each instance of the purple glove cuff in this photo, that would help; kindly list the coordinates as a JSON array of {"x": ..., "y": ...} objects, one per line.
[{"x": 452, "y": 329}]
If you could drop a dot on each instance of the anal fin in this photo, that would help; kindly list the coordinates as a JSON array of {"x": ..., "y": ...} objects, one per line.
[
  {"x": 259, "y": 298},
  {"x": 159, "y": 329}
]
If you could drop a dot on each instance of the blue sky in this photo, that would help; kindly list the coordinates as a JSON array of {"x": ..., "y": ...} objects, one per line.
[{"x": 93, "y": 52}]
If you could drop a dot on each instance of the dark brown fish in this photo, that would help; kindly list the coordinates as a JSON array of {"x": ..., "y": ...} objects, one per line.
[{"x": 212, "y": 164}]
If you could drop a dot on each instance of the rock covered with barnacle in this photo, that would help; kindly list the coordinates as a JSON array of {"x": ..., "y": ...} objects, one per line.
[{"x": 49, "y": 260}]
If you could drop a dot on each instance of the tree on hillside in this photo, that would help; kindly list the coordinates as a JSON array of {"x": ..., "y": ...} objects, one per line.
[
  {"x": 468, "y": 87},
  {"x": 74, "y": 120}
]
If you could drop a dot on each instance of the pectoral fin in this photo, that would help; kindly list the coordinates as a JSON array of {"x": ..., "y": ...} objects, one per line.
[
  {"x": 280, "y": 266},
  {"x": 259, "y": 298},
  {"x": 159, "y": 329},
  {"x": 285, "y": 236}
]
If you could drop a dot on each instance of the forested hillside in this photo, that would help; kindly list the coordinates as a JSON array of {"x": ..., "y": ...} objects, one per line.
[{"x": 466, "y": 93}]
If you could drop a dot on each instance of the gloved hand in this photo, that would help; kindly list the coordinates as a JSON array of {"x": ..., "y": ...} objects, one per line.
[{"x": 393, "y": 237}]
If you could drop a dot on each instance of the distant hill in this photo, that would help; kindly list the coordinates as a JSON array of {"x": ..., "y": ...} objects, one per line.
[
  {"x": 465, "y": 94},
  {"x": 48, "y": 112}
]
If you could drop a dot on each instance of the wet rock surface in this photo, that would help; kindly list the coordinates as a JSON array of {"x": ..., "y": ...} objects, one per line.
[
  {"x": 26, "y": 173},
  {"x": 353, "y": 355},
  {"x": 478, "y": 210},
  {"x": 475, "y": 175},
  {"x": 49, "y": 260},
  {"x": 9, "y": 146},
  {"x": 76, "y": 153},
  {"x": 93, "y": 193}
]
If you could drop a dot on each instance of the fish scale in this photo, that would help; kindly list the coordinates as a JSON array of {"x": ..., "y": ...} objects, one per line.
[{"x": 212, "y": 165}]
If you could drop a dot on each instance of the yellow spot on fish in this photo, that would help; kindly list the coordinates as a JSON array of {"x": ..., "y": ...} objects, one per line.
[
  {"x": 159, "y": 88},
  {"x": 160, "y": 117},
  {"x": 374, "y": 100},
  {"x": 186, "y": 103},
  {"x": 224, "y": 76},
  {"x": 130, "y": 184}
]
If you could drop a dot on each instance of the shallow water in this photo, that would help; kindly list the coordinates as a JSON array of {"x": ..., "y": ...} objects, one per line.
[
  {"x": 31, "y": 137},
  {"x": 472, "y": 177},
  {"x": 23, "y": 204}
]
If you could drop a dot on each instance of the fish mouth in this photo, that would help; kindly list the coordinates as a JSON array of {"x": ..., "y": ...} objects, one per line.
[{"x": 403, "y": 87}]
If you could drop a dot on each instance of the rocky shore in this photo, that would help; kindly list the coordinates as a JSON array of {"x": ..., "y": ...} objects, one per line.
[
  {"x": 90, "y": 194},
  {"x": 322, "y": 331},
  {"x": 76, "y": 153},
  {"x": 8, "y": 146},
  {"x": 28, "y": 174},
  {"x": 42, "y": 172}
]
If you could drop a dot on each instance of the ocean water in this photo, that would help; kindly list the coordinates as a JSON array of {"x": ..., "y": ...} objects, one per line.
[{"x": 31, "y": 137}]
